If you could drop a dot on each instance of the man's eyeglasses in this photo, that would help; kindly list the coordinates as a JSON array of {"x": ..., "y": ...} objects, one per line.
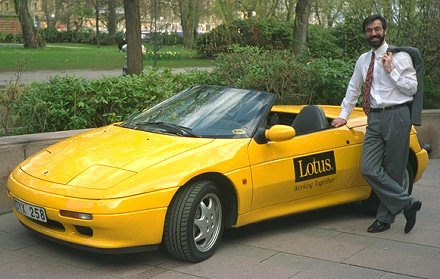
[{"x": 376, "y": 30}]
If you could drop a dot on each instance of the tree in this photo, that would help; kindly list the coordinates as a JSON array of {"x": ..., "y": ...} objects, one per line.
[
  {"x": 190, "y": 11},
  {"x": 230, "y": 9},
  {"x": 97, "y": 7},
  {"x": 289, "y": 4},
  {"x": 260, "y": 8},
  {"x": 111, "y": 17},
  {"x": 72, "y": 13},
  {"x": 301, "y": 23},
  {"x": 133, "y": 37},
  {"x": 326, "y": 13},
  {"x": 225, "y": 10},
  {"x": 50, "y": 9},
  {"x": 31, "y": 39}
]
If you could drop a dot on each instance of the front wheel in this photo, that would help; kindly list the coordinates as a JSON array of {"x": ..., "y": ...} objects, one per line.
[
  {"x": 194, "y": 222},
  {"x": 372, "y": 203}
]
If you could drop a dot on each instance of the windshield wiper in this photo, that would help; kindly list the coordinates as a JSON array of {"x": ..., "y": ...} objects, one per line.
[{"x": 169, "y": 127}]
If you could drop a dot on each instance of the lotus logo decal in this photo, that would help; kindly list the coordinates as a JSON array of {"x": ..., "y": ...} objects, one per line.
[{"x": 314, "y": 166}]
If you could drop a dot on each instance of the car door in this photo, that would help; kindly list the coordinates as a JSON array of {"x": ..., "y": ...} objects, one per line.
[{"x": 307, "y": 166}]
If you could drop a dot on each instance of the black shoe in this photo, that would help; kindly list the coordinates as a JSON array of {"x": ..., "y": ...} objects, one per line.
[
  {"x": 410, "y": 215},
  {"x": 378, "y": 226}
]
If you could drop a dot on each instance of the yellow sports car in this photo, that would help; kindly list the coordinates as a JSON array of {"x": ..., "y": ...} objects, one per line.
[{"x": 206, "y": 159}]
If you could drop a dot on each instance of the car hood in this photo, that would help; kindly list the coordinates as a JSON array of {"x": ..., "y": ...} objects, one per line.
[{"x": 101, "y": 158}]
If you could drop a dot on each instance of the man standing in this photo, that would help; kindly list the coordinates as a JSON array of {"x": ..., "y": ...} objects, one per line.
[{"x": 389, "y": 82}]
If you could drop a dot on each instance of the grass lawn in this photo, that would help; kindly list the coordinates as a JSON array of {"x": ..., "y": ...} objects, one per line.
[{"x": 64, "y": 56}]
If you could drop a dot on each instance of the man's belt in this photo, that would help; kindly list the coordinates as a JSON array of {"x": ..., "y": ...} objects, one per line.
[{"x": 388, "y": 108}]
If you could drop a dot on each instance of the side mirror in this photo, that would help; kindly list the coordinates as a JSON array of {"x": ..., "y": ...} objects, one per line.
[{"x": 279, "y": 133}]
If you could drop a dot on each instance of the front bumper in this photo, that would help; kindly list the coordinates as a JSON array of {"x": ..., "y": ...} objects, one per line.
[{"x": 130, "y": 223}]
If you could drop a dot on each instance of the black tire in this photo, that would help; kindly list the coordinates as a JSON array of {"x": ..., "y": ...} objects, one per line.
[
  {"x": 372, "y": 203},
  {"x": 194, "y": 222}
]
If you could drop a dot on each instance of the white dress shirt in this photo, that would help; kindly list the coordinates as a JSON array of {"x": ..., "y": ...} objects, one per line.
[{"x": 397, "y": 87}]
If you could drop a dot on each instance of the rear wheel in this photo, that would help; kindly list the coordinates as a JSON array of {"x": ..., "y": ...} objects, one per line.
[
  {"x": 194, "y": 222},
  {"x": 372, "y": 203}
]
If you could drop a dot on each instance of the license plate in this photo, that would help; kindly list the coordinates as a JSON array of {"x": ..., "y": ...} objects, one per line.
[{"x": 31, "y": 211}]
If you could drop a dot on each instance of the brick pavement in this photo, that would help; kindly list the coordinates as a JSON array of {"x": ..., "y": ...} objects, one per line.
[{"x": 329, "y": 243}]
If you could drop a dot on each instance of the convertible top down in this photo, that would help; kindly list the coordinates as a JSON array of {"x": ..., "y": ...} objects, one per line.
[{"x": 206, "y": 159}]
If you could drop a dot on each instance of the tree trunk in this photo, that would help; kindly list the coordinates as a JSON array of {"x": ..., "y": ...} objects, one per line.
[
  {"x": 31, "y": 39},
  {"x": 47, "y": 14},
  {"x": 111, "y": 25},
  {"x": 133, "y": 37},
  {"x": 97, "y": 23},
  {"x": 189, "y": 17},
  {"x": 302, "y": 14},
  {"x": 289, "y": 7}
]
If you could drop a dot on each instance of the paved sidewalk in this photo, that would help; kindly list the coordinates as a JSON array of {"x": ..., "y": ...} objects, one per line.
[
  {"x": 39, "y": 76},
  {"x": 329, "y": 243}
]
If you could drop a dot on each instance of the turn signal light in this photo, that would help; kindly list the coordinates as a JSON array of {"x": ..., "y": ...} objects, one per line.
[{"x": 76, "y": 215}]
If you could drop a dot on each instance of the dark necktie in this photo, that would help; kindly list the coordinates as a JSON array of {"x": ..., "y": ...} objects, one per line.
[{"x": 366, "y": 101}]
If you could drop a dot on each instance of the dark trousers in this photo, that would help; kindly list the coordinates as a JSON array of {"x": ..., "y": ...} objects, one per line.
[{"x": 384, "y": 158}]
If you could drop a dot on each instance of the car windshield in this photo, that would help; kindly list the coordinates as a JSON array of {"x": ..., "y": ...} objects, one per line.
[{"x": 206, "y": 111}]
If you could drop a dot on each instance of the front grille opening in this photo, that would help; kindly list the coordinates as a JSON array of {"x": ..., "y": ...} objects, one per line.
[
  {"x": 51, "y": 224},
  {"x": 84, "y": 230}
]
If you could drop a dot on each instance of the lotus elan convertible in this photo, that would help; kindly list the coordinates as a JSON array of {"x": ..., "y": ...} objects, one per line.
[{"x": 179, "y": 173}]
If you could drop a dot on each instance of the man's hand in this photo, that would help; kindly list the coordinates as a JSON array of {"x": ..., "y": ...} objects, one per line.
[
  {"x": 338, "y": 122},
  {"x": 387, "y": 62}
]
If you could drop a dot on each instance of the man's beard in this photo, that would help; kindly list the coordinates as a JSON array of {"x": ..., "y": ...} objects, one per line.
[{"x": 376, "y": 43}]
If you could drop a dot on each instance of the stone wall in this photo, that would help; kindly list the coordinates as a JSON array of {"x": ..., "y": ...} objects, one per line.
[
  {"x": 429, "y": 132},
  {"x": 15, "y": 149}
]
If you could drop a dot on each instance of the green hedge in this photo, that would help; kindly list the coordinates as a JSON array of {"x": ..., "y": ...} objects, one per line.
[
  {"x": 65, "y": 103},
  {"x": 295, "y": 81},
  {"x": 322, "y": 42},
  {"x": 10, "y": 38},
  {"x": 88, "y": 36},
  {"x": 84, "y": 35},
  {"x": 265, "y": 33},
  {"x": 272, "y": 71}
]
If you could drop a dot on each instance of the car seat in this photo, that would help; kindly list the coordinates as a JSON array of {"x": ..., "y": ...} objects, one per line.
[{"x": 309, "y": 119}]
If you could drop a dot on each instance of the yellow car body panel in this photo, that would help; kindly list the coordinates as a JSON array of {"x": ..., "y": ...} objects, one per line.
[
  {"x": 139, "y": 199},
  {"x": 305, "y": 204},
  {"x": 111, "y": 230},
  {"x": 93, "y": 169},
  {"x": 127, "y": 178},
  {"x": 421, "y": 155}
]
